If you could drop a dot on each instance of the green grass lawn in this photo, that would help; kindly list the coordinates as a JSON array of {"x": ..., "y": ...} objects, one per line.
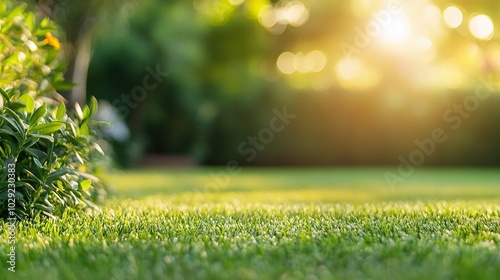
[{"x": 273, "y": 224}]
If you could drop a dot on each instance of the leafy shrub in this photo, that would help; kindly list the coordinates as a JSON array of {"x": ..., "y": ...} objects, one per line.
[{"x": 55, "y": 153}]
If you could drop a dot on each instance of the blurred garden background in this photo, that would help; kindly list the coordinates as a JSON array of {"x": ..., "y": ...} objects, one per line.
[
  {"x": 365, "y": 79},
  {"x": 386, "y": 86}
]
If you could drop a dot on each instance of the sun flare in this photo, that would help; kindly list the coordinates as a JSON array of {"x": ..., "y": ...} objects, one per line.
[{"x": 397, "y": 32}]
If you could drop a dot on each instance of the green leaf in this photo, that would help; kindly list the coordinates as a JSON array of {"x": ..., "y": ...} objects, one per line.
[
  {"x": 56, "y": 175},
  {"x": 37, "y": 115},
  {"x": 28, "y": 100},
  {"x": 3, "y": 8},
  {"x": 8, "y": 132},
  {"x": 42, "y": 136},
  {"x": 79, "y": 158},
  {"x": 16, "y": 105},
  {"x": 42, "y": 156},
  {"x": 8, "y": 161},
  {"x": 16, "y": 11},
  {"x": 63, "y": 86},
  {"x": 47, "y": 210},
  {"x": 4, "y": 94},
  {"x": 72, "y": 128},
  {"x": 98, "y": 149},
  {"x": 59, "y": 198},
  {"x": 30, "y": 21},
  {"x": 86, "y": 112},
  {"x": 32, "y": 141},
  {"x": 61, "y": 111},
  {"x": 84, "y": 129},
  {"x": 38, "y": 163},
  {"x": 85, "y": 184},
  {"x": 13, "y": 124},
  {"x": 11, "y": 146},
  {"x": 33, "y": 176},
  {"x": 100, "y": 123},
  {"x": 93, "y": 106},
  {"x": 28, "y": 186},
  {"x": 78, "y": 111},
  {"x": 46, "y": 128}
]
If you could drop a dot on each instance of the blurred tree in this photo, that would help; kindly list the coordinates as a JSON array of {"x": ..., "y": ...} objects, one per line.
[
  {"x": 79, "y": 19},
  {"x": 225, "y": 77}
]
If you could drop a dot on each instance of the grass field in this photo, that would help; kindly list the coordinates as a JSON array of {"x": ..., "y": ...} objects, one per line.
[{"x": 273, "y": 224}]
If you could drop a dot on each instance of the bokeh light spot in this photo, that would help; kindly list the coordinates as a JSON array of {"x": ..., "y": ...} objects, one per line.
[
  {"x": 299, "y": 63},
  {"x": 453, "y": 17},
  {"x": 481, "y": 27},
  {"x": 286, "y": 63},
  {"x": 424, "y": 43},
  {"x": 432, "y": 15},
  {"x": 267, "y": 16},
  {"x": 316, "y": 61},
  {"x": 295, "y": 13},
  {"x": 349, "y": 68},
  {"x": 277, "y": 18}
]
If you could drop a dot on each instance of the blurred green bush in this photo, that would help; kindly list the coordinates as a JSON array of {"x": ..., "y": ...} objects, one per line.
[{"x": 49, "y": 158}]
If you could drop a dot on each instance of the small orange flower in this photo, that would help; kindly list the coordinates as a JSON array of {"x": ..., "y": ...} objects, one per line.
[{"x": 51, "y": 40}]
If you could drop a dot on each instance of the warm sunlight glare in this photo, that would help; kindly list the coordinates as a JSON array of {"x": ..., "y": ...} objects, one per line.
[
  {"x": 397, "y": 32},
  {"x": 354, "y": 74}
]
